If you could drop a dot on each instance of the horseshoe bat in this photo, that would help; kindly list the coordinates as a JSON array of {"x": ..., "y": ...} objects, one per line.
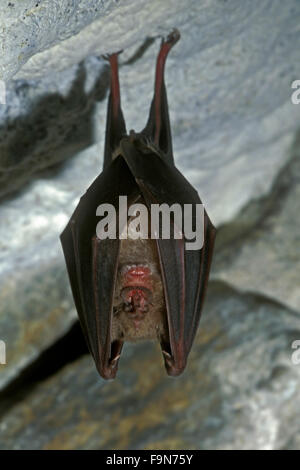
[{"x": 129, "y": 289}]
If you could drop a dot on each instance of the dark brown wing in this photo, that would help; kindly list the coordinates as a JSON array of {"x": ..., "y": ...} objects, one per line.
[
  {"x": 185, "y": 272},
  {"x": 92, "y": 263}
]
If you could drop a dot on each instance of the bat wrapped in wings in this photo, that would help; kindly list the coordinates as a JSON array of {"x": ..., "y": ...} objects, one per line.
[{"x": 128, "y": 289}]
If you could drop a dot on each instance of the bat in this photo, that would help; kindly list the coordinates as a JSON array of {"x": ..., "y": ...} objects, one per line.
[{"x": 131, "y": 289}]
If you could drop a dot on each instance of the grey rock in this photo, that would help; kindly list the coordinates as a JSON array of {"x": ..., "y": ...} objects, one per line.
[
  {"x": 267, "y": 259},
  {"x": 239, "y": 391},
  {"x": 229, "y": 87},
  {"x": 32, "y": 26},
  {"x": 35, "y": 317},
  {"x": 233, "y": 121},
  {"x": 47, "y": 121}
]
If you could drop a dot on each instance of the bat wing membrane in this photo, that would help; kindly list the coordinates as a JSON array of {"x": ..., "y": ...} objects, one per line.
[
  {"x": 91, "y": 272},
  {"x": 185, "y": 272}
]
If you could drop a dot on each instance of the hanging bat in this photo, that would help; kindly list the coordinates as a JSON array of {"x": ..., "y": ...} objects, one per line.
[{"x": 129, "y": 289}]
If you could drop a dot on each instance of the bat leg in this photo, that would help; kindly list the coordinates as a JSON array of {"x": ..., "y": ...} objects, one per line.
[
  {"x": 115, "y": 124},
  {"x": 158, "y": 125}
]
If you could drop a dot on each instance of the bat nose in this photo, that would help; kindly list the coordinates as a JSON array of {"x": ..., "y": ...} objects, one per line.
[{"x": 136, "y": 301}]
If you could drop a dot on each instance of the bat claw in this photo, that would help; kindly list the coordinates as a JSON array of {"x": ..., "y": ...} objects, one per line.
[
  {"x": 116, "y": 358},
  {"x": 109, "y": 56},
  {"x": 172, "y": 37},
  {"x": 114, "y": 361},
  {"x": 168, "y": 356}
]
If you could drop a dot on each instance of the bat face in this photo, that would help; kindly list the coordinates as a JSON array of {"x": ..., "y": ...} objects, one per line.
[{"x": 147, "y": 288}]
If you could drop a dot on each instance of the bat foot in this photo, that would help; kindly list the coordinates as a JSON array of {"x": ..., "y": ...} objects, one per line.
[
  {"x": 172, "y": 37},
  {"x": 108, "y": 57}
]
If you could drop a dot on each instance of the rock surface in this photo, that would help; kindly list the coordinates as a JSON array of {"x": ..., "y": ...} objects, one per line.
[
  {"x": 267, "y": 260},
  {"x": 235, "y": 133},
  {"x": 240, "y": 390}
]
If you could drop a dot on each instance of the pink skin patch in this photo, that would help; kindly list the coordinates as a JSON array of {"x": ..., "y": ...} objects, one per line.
[
  {"x": 137, "y": 292},
  {"x": 138, "y": 276}
]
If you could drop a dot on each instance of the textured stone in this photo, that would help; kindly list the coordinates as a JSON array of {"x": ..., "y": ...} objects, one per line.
[
  {"x": 240, "y": 390},
  {"x": 267, "y": 260},
  {"x": 35, "y": 298},
  {"x": 229, "y": 96},
  {"x": 229, "y": 86},
  {"x": 30, "y": 27},
  {"x": 34, "y": 317},
  {"x": 47, "y": 121}
]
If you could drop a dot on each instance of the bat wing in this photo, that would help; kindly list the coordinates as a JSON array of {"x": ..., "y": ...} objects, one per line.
[
  {"x": 92, "y": 273},
  {"x": 184, "y": 272}
]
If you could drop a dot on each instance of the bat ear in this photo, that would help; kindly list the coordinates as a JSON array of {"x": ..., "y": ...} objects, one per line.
[
  {"x": 158, "y": 125},
  {"x": 115, "y": 124}
]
